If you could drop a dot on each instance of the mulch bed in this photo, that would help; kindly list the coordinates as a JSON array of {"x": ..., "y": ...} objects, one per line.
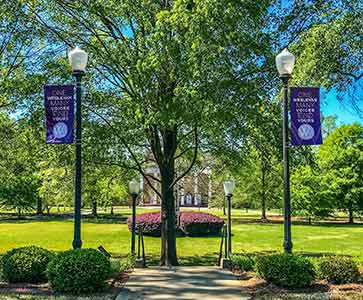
[
  {"x": 257, "y": 286},
  {"x": 116, "y": 283}
]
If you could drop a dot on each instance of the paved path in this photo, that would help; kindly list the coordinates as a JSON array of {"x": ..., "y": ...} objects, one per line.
[{"x": 182, "y": 283}]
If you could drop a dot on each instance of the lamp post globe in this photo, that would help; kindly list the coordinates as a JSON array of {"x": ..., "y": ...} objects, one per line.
[
  {"x": 78, "y": 60},
  {"x": 228, "y": 187},
  {"x": 134, "y": 187},
  {"x": 285, "y": 62},
  {"x": 134, "y": 190}
]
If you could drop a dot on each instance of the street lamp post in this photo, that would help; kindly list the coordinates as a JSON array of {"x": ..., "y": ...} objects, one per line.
[
  {"x": 134, "y": 189},
  {"x": 285, "y": 64},
  {"x": 228, "y": 186},
  {"x": 78, "y": 61}
]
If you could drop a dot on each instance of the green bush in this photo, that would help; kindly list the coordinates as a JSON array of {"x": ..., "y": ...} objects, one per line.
[
  {"x": 26, "y": 264},
  {"x": 338, "y": 269},
  {"x": 242, "y": 262},
  {"x": 285, "y": 270},
  {"x": 79, "y": 271},
  {"x": 127, "y": 264}
]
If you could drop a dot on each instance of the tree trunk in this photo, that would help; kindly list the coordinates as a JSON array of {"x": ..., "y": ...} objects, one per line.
[
  {"x": 111, "y": 212},
  {"x": 263, "y": 194},
  {"x": 168, "y": 213},
  {"x": 19, "y": 212},
  {"x": 224, "y": 206},
  {"x": 94, "y": 208},
  {"x": 39, "y": 206},
  {"x": 351, "y": 217}
]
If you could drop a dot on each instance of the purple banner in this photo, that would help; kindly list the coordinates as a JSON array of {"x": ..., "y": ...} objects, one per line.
[
  {"x": 59, "y": 113},
  {"x": 305, "y": 116}
]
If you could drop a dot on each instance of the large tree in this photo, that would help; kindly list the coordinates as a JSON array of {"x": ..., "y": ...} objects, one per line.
[
  {"x": 330, "y": 54},
  {"x": 341, "y": 159},
  {"x": 164, "y": 73},
  {"x": 312, "y": 194},
  {"x": 171, "y": 78}
]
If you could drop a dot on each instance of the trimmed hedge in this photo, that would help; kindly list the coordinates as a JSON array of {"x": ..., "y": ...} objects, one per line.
[
  {"x": 26, "y": 264},
  {"x": 79, "y": 271},
  {"x": 285, "y": 270},
  {"x": 243, "y": 263},
  {"x": 200, "y": 223},
  {"x": 338, "y": 269},
  {"x": 191, "y": 223},
  {"x": 150, "y": 222}
]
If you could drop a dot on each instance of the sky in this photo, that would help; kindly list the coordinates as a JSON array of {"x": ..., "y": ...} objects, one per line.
[{"x": 330, "y": 105}]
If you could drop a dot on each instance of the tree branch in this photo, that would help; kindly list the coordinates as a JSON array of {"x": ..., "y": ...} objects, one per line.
[{"x": 196, "y": 146}]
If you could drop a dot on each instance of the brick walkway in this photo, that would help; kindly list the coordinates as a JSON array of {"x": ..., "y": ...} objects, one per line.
[{"x": 187, "y": 283}]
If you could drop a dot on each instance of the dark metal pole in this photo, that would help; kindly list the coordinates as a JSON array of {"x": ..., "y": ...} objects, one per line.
[
  {"x": 143, "y": 246},
  {"x": 139, "y": 244},
  {"x": 287, "y": 209},
  {"x": 229, "y": 225},
  {"x": 77, "y": 242},
  {"x": 133, "y": 229}
]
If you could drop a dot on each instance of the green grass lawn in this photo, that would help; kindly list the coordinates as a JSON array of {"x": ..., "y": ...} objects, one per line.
[{"x": 247, "y": 237}]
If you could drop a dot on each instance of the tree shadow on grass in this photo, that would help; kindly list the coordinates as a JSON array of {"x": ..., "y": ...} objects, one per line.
[
  {"x": 301, "y": 253},
  {"x": 209, "y": 259},
  {"x": 102, "y": 219},
  {"x": 328, "y": 223}
]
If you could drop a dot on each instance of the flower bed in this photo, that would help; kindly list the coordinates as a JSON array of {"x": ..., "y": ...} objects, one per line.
[
  {"x": 190, "y": 223},
  {"x": 149, "y": 221},
  {"x": 200, "y": 223}
]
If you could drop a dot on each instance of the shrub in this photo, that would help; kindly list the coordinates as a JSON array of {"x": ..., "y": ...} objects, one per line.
[
  {"x": 79, "y": 271},
  {"x": 200, "y": 223},
  {"x": 338, "y": 269},
  {"x": 191, "y": 223},
  {"x": 285, "y": 270},
  {"x": 243, "y": 263},
  {"x": 127, "y": 264},
  {"x": 150, "y": 222},
  {"x": 26, "y": 264}
]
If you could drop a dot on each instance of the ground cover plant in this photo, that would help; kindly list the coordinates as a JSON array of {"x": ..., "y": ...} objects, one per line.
[
  {"x": 243, "y": 263},
  {"x": 127, "y": 264}
]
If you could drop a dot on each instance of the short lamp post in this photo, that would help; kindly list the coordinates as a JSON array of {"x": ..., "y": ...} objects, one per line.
[
  {"x": 228, "y": 186},
  {"x": 78, "y": 61},
  {"x": 134, "y": 189},
  {"x": 285, "y": 64}
]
